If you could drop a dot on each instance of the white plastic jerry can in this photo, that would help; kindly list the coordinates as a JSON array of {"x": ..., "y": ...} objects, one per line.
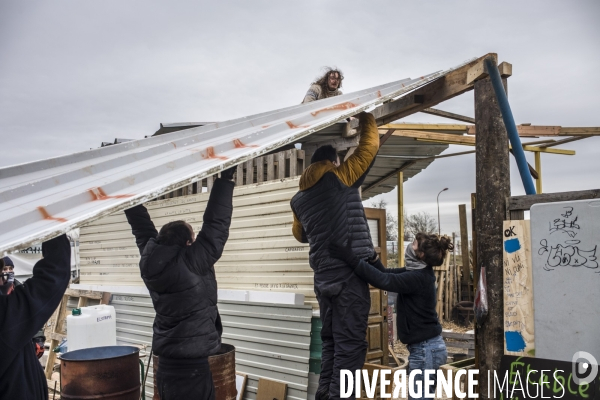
[{"x": 93, "y": 326}]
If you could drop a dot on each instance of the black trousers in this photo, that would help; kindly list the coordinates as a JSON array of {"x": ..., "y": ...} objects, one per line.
[
  {"x": 180, "y": 379},
  {"x": 344, "y": 307}
]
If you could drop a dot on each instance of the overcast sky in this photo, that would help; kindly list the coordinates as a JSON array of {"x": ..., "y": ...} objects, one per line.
[{"x": 74, "y": 74}]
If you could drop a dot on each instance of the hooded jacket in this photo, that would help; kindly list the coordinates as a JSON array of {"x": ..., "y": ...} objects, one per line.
[
  {"x": 328, "y": 206},
  {"x": 417, "y": 319},
  {"x": 23, "y": 313},
  {"x": 181, "y": 280}
]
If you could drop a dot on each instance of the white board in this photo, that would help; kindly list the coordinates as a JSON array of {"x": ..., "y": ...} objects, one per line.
[{"x": 566, "y": 278}]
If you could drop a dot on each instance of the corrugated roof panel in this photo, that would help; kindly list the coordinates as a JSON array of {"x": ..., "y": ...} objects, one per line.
[{"x": 43, "y": 199}]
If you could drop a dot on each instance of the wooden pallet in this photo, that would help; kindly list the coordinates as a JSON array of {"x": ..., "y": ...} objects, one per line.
[{"x": 55, "y": 328}]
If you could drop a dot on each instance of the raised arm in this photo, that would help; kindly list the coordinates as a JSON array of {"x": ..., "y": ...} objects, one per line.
[
  {"x": 209, "y": 244},
  {"x": 30, "y": 305},
  {"x": 358, "y": 163},
  {"x": 142, "y": 226}
]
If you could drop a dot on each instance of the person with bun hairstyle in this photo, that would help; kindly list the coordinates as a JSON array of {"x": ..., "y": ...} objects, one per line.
[{"x": 417, "y": 320}]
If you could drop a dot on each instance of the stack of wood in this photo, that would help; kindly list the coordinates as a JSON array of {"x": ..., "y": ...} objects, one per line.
[{"x": 446, "y": 279}]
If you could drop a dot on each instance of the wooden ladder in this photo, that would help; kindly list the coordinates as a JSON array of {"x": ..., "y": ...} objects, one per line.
[{"x": 55, "y": 327}]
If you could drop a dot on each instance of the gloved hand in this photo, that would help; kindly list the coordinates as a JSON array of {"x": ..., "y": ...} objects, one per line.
[
  {"x": 344, "y": 253},
  {"x": 228, "y": 173}
]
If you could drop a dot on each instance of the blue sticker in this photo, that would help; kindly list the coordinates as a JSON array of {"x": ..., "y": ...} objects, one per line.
[
  {"x": 512, "y": 245},
  {"x": 514, "y": 341}
]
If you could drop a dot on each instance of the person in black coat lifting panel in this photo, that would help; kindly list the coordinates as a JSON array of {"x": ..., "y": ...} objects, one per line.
[
  {"x": 24, "y": 310},
  {"x": 179, "y": 273}
]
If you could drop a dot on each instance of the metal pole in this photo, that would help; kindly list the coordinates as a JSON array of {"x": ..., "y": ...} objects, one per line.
[
  {"x": 438, "y": 207},
  {"x": 509, "y": 123}
]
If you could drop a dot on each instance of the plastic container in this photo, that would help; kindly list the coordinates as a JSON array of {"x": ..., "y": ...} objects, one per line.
[{"x": 93, "y": 326}]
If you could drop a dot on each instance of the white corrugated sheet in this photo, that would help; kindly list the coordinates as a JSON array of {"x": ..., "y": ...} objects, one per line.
[
  {"x": 42, "y": 199},
  {"x": 271, "y": 340}
]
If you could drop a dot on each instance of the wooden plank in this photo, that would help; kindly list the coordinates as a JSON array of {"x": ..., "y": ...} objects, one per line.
[
  {"x": 456, "y": 128},
  {"x": 447, "y": 87},
  {"x": 461, "y": 345},
  {"x": 442, "y": 137},
  {"x": 300, "y": 157},
  {"x": 525, "y": 202},
  {"x": 270, "y": 167},
  {"x": 260, "y": 169},
  {"x": 293, "y": 156},
  {"x": 567, "y": 140},
  {"x": 518, "y": 289},
  {"x": 239, "y": 175},
  {"x": 529, "y": 130},
  {"x": 271, "y": 390},
  {"x": 281, "y": 165},
  {"x": 209, "y": 183},
  {"x": 591, "y": 130},
  {"x": 446, "y": 114},
  {"x": 249, "y": 171},
  {"x": 456, "y": 335},
  {"x": 464, "y": 245}
]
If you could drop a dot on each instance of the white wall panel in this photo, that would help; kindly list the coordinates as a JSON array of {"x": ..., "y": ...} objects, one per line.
[{"x": 261, "y": 253}]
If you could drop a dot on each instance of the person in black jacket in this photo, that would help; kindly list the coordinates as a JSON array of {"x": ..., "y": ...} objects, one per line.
[
  {"x": 23, "y": 312},
  {"x": 327, "y": 208},
  {"x": 178, "y": 270},
  {"x": 417, "y": 320}
]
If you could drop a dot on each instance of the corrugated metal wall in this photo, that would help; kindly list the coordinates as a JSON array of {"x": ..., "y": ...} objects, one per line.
[
  {"x": 261, "y": 253},
  {"x": 271, "y": 340}
]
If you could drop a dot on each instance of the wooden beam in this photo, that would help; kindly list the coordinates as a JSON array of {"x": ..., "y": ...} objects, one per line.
[
  {"x": 538, "y": 168},
  {"x": 458, "y": 128},
  {"x": 388, "y": 176},
  {"x": 492, "y": 183},
  {"x": 568, "y": 140},
  {"x": 525, "y": 202},
  {"x": 548, "y": 150},
  {"x": 580, "y": 131},
  {"x": 464, "y": 246},
  {"x": 446, "y": 114},
  {"x": 433, "y": 93},
  {"x": 476, "y": 72},
  {"x": 540, "y": 130}
]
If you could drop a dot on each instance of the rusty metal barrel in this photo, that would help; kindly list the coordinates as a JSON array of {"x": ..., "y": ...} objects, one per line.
[
  {"x": 222, "y": 368},
  {"x": 109, "y": 372}
]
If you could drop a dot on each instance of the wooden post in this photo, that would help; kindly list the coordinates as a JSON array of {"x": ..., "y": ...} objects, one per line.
[
  {"x": 260, "y": 171},
  {"x": 538, "y": 169},
  {"x": 464, "y": 247},
  {"x": 281, "y": 165},
  {"x": 400, "y": 219},
  {"x": 492, "y": 187},
  {"x": 270, "y": 167}
]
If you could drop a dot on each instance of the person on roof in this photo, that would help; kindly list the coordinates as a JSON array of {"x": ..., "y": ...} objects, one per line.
[
  {"x": 326, "y": 86},
  {"x": 179, "y": 273},
  {"x": 25, "y": 309},
  {"x": 417, "y": 323},
  {"x": 329, "y": 208}
]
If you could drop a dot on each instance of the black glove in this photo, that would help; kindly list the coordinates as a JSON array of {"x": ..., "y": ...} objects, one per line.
[
  {"x": 344, "y": 253},
  {"x": 228, "y": 173}
]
